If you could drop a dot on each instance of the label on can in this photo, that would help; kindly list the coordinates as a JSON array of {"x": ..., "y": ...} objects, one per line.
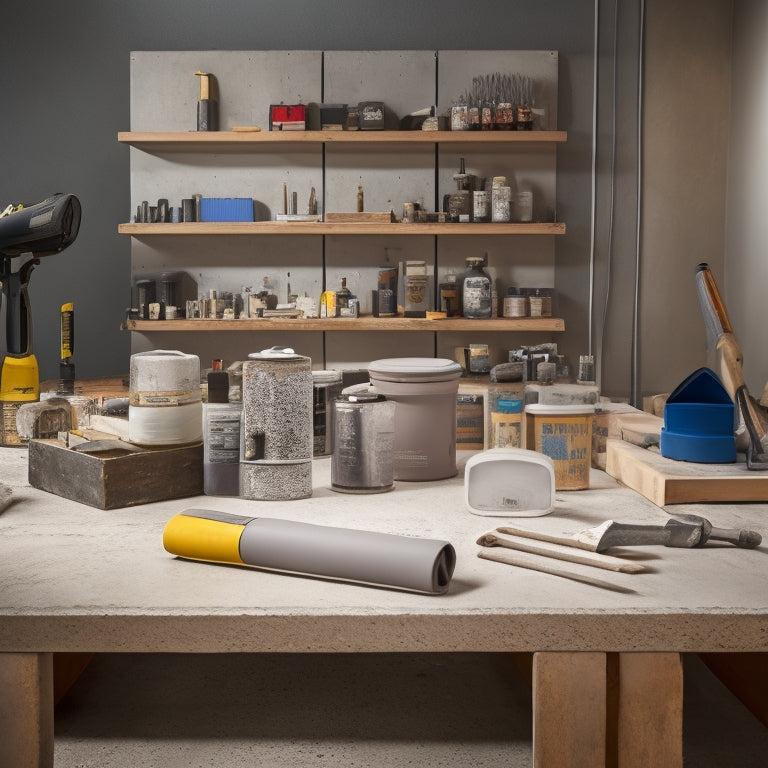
[
  {"x": 164, "y": 399},
  {"x": 223, "y": 437}
]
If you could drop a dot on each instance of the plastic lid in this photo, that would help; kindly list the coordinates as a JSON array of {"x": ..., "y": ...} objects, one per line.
[
  {"x": 276, "y": 353},
  {"x": 509, "y": 404},
  {"x": 361, "y": 397},
  {"x": 326, "y": 377},
  {"x": 542, "y": 409},
  {"x": 415, "y": 369}
]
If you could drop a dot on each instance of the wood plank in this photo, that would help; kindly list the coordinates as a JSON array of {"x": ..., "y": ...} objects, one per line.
[
  {"x": 667, "y": 481},
  {"x": 106, "y": 386},
  {"x": 238, "y": 141},
  {"x": 26, "y": 710},
  {"x": 355, "y": 217},
  {"x": 338, "y": 228},
  {"x": 650, "y": 710},
  {"x": 366, "y": 323},
  {"x": 569, "y": 710}
]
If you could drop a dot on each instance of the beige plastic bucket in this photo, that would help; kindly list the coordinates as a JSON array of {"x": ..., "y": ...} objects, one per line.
[
  {"x": 424, "y": 390},
  {"x": 564, "y": 433}
]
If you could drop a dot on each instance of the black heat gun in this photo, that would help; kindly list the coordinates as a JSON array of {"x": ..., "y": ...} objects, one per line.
[{"x": 27, "y": 233}]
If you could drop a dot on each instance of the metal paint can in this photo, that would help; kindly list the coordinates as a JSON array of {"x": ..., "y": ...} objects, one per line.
[{"x": 364, "y": 438}]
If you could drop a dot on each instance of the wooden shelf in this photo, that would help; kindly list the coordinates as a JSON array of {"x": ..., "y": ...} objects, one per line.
[
  {"x": 366, "y": 323},
  {"x": 230, "y": 141},
  {"x": 338, "y": 228}
]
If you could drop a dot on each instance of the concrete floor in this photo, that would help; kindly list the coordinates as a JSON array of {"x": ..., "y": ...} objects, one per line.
[{"x": 393, "y": 710}]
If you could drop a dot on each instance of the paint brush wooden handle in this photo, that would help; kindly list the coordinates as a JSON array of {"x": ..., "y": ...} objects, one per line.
[
  {"x": 559, "y": 552},
  {"x": 523, "y": 562},
  {"x": 567, "y": 541}
]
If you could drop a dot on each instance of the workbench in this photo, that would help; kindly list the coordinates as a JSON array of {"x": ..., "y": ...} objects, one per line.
[{"x": 78, "y": 579}]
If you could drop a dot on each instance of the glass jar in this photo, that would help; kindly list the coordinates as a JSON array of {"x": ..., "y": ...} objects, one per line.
[
  {"x": 476, "y": 293},
  {"x": 504, "y": 118}
]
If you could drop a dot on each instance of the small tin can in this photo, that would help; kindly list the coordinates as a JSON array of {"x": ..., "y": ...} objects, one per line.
[{"x": 515, "y": 303}]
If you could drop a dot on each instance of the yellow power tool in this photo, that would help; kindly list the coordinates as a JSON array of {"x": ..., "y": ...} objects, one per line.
[{"x": 27, "y": 233}]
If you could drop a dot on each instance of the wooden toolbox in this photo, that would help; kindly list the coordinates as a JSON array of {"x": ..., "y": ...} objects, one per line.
[{"x": 116, "y": 478}]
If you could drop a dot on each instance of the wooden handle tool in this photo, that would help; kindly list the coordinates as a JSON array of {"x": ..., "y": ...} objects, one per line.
[
  {"x": 560, "y": 552},
  {"x": 523, "y": 562}
]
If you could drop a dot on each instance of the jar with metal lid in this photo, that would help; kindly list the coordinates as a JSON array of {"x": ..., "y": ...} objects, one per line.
[
  {"x": 515, "y": 303},
  {"x": 475, "y": 292},
  {"x": 540, "y": 302}
]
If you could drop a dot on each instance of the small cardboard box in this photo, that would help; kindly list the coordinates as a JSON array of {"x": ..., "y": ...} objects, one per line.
[{"x": 116, "y": 479}]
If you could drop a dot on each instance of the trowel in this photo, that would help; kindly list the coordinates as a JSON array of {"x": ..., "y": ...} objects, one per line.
[{"x": 680, "y": 531}]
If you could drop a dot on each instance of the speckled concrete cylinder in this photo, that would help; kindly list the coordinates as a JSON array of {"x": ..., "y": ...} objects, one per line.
[{"x": 276, "y": 444}]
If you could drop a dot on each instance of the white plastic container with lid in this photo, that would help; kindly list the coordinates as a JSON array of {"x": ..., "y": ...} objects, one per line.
[
  {"x": 424, "y": 390},
  {"x": 165, "y": 406}
]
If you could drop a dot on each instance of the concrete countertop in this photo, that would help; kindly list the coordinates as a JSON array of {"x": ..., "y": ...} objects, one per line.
[{"x": 76, "y": 578}]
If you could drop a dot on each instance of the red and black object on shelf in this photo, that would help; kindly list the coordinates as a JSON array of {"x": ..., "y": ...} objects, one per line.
[{"x": 287, "y": 117}]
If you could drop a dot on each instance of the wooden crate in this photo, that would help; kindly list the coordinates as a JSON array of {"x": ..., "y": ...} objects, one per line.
[{"x": 116, "y": 479}]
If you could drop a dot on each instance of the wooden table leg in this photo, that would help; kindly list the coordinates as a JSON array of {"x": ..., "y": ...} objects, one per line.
[
  {"x": 569, "y": 710},
  {"x": 26, "y": 710},
  {"x": 650, "y": 710}
]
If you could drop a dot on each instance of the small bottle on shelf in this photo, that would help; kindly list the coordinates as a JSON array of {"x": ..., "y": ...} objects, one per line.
[
  {"x": 346, "y": 301},
  {"x": 343, "y": 295},
  {"x": 449, "y": 295},
  {"x": 476, "y": 289}
]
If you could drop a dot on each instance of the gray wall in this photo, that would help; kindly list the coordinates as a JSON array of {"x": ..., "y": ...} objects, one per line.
[
  {"x": 66, "y": 96},
  {"x": 746, "y": 267}
]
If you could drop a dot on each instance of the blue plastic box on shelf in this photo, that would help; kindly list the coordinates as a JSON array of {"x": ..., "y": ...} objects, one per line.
[{"x": 226, "y": 209}]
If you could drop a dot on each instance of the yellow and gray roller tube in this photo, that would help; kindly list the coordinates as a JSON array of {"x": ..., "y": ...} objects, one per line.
[{"x": 366, "y": 557}]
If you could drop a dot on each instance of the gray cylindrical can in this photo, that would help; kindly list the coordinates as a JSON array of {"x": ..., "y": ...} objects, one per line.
[
  {"x": 327, "y": 386},
  {"x": 364, "y": 438},
  {"x": 276, "y": 439}
]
